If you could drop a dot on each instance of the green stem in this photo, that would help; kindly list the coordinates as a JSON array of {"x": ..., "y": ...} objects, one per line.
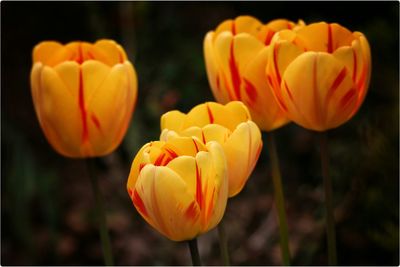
[
  {"x": 279, "y": 199},
  {"x": 223, "y": 244},
  {"x": 194, "y": 252},
  {"x": 100, "y": 214},
  {"x": 330, "y": 220}
]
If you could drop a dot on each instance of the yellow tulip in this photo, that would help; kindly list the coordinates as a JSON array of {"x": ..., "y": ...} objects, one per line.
[
  {"x": 179, "y": 186},
  {"x": 229, "y": 125},
  {"x": 319, "y": 74},
  {"x": 84, "y": 95},
  {"x": 236, "y": 55}
]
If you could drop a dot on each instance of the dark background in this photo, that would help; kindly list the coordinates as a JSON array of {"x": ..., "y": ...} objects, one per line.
[{"x": 46, "y": 199}]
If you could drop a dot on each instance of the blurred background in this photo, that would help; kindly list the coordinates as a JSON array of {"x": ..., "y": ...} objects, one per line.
[{"x": 47, "y": 215}]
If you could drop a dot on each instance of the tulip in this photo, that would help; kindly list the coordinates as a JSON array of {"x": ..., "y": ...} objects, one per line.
[
  {"x": 84, "y": 95},
  {"x": 179, "y": 186},
  {"x": 236, "y": 55},
  {"x": 229, "y": 125},
  {"x": 319, "y": 74}
]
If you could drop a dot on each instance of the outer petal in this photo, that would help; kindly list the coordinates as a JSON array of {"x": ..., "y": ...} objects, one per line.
[
  {"x": 212, "y": 68},
  {"x": 110, "y": 102},
  {"x": 318, "y": 91},
  {"x": 61, "y": 117},
  {"x": 357, "y": 59},
  {"x": 240, "y": 24},
  {"x": 259, "y": 97},
  {"x": 114, "y": 52},
  {"x": 234, "y": 53},
  {"x": 45, "y": 50},
  {"x": 141, "y": 159},
  {"x": 173, "y": 120},
  {"x": 242, "y": 150},
  {"x": 281, "y": 54},
  {"x": 214, "y": 184},
  {"x": 163, "y": 199}
]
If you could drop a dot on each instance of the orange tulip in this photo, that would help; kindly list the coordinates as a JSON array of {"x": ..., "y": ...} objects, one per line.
[
  {"x": 84, "y": 95},
  {"x": 229, "y": 125},
  {"x": 236, "y": 55},
  {"x": 319, "y": 74},
  {"x": 179, "y": 186}
]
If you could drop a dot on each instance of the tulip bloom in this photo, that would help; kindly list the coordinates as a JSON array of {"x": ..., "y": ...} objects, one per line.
[
  {"x": 236, "y": 55},
  {"x": 229, "y": 125},
  {"x": 319, "y": 74},
  {"x": 179, "y": 186},
  {"x": 84, "y": 95}
]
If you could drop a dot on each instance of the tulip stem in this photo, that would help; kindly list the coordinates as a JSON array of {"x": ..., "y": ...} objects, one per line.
[
  {"x": 100, "y": 214},
  {"x": 194, "y": 252},
  {"x": 279, "y": 199},
  {"x": 223, "y": 243},
  {"x": 330, "y": 220}
]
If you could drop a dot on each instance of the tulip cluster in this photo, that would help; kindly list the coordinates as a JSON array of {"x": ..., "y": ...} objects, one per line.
[
  {"x": 315, "y": 75},
  {"x": 180, "y": 184}
]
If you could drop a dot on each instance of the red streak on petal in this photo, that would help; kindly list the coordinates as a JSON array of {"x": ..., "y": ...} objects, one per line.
[
  {"x": 96, "y": 121},
  {"x": 289, "y": 26},
  {"x": 330, "y": 45},
  {"x": 210, "y": 115},
  {"x": 195, "y": 145},
  {"x": 217, "y": 83},
  {"x": 211, "y": 205},
  {"x": 251, "y": 91},
  {"x": 81, "y": 100},
  {"x": 233, "y": 28},
  {"x": 191, "y": 211},
  {"x": 203, "y": 137},
  {"x": 171, "y": 156},
  {"x": 339, "y": 79},
  {"x": 139, "y": 203},
  {"x": 90, "y": 55},
  {"x": 235, "y": 75},
  {"x": 171, "y": 153},
  {"x": 287, "y": 90},
  {"x": 130, "y": 192},
  {"x": 199, "y": 193},
  {"x": 346, "y": 99},
  {"x": 159, "y": 160},
  {"x": 120, "y": 57},
  {"x": 278, "y": 75},
  {"x": 268, "y": 37},
  {"x": 279, "y": 97}
]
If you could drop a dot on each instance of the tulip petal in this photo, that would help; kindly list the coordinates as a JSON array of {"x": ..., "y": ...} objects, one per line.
[
  {"x": 171, "y": 208},
  {"x": 241, "y": 24},
  {"x": 214, "y": 78},
  {"x": 259, "y": 96},
  {"x": 141, "y": 159},
  {"x": 211, "y": 112},
  {"x": 212, "y": 172},
  {"x": 234, "y": 53},
  {"x": 322, "y": 100},
  {"x": 324, "y": 37},
  {"x": 45, "y": 50},
  {"x": 242, "y": 150},
  {"x": 112, "y": 50},
  {"x": 110, "y": 103},
  {"x": 281, "y": 54},
  {"x": 61, "y": 113},
  {"x": 172, "y": 120}
]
